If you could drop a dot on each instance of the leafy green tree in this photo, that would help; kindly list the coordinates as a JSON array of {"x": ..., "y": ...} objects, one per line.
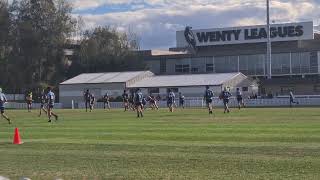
[
  {"x": 39, "y": 30},
  {"x": 106, "y": 50}
]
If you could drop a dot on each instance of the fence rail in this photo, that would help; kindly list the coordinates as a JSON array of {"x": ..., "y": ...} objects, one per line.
[{"x": 194, "y": 103}]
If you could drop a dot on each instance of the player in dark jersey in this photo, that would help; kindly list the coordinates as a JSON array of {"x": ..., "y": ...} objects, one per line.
[
  {"x": 292, "y": 99},
  {"x": 87, "y": 99},
  {"x": 138, "y": 98},
  {"x": 106, "y": 101},
  {"x": 240, "y": 99},
  {"x": 132, "y": 103},
  {"x": 92, "y": 101},
  {"x": 125, "y": 100},
  {"x": 43, "y": 99},
  {"x": 171, "y": 100},
  {"x": 50, "y": 100},
  {"x": 208, "y": 96},
  {"x": 181, "y": 100},
  {"x": 3, "y": 100},
  {"x": 153, "y": 102},
  {"x": 144, "y": 103},
  {"x": 225, "y": 96}
]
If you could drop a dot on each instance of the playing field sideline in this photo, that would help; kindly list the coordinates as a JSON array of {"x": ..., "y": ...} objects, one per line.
[{"x": 186, "y": 144}]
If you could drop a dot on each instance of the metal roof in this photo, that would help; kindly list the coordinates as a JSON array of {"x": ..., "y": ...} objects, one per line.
[
  {"x": 111, "y": 77},
  {"x": 184, "y": 80}
]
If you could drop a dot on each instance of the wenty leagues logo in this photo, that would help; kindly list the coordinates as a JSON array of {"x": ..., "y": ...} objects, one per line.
[{"x": 190, "y": 38}]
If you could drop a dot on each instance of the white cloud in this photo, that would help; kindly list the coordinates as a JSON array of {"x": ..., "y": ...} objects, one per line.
[{"x": 157, "y": 20}]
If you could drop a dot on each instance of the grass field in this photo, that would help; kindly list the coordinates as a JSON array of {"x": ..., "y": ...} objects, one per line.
[{"x": 187, "y": 144}]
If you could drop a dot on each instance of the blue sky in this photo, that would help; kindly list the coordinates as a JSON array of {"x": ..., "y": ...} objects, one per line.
[{"x": 156, "y": 21}]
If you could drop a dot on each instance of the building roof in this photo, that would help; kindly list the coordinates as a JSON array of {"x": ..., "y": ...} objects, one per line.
[
  {"x": 165, "y": 52},
  {"x": 111, "y": 77},
  {"x": 185, "y": 80}
]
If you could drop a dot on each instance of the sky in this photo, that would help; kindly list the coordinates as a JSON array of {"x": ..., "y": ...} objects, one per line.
[{"x": 156, "y": 21}]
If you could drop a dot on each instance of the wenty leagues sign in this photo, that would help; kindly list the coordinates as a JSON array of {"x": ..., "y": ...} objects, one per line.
[{"x": 248, "y": 34}]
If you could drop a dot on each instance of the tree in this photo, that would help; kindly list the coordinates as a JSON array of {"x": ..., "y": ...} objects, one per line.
[
  {"x": 40, "y": 29},
  {"x": 106, "y": 50},
  {"x": 4, "y": 41}
]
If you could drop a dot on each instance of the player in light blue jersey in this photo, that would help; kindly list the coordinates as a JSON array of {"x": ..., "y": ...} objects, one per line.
[
  {"x": 171, "y": 100},
  {"x": 291, "y": 96},
  {"x": 3, "y": 100},
  {"x": 50, "y": 100},
  {"x": 138, "y": 100}
]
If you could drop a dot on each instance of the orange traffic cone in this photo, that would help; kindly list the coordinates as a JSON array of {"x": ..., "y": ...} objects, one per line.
[{"x": 17, "y": 139}]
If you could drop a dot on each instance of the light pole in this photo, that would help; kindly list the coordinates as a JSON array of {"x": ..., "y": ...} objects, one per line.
[{"x": 269, "y": 59}]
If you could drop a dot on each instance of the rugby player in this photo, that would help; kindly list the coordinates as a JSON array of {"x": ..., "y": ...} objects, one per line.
[
  {"x": 208, "y": 96},
  {"x": 87, "y": 97},
  {"x": 240, "y": 98},
  {"x": 106, "y": 100},
  {"x": 181, "y": 100},
  {"x": 292, "y": 99},
  {"x": 92, "y": 101},
  {"x": 3, "y": 100},
  {"x": 138, "y": 98},
  {"x": 153, "y": 102},
  {"x": 43, "y": 98},
  {"x": 29, "y": 101},
  {"x": 125, "y": 99},
  {"x": 225, "y": 96},
  {"x": 50, "y": 100},
  {"x": 171, "y": 100}
]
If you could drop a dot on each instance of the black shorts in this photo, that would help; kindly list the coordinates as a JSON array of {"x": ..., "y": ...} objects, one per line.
[
  {"x": 208, "y": 101},
  {"x": 29, "y": 102},
  {"x": 226, "y": 101},
  {"x": 181, "y": 101},
  {"x": 2, "y": 110},
  {"x": 138, "y": 104},
  {"x": 50, "y": 106},
  {"x": 170, "y": 103},
  {"x": 239, "y": 98}
]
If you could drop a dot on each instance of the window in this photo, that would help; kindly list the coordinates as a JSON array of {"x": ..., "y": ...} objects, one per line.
[
  {"x": 163, "y": 65},
  {"x": 252, "y": 64},
  {"x": 281, "y": 63},
  {"x": 301, "y": 62},
  {"x": 209, "y": 68},
  {"x": 285, "y": 90},
  {"x": 316, "y": 88},
  {"x": 226, "y": 64},
  {"x": 245, "y": 89},
  {"x": 154, "y": 91},
  {"x": 175, "y": 90},
  {"x": 194, "y": 69},
  {"x": 184, "y": 68}
]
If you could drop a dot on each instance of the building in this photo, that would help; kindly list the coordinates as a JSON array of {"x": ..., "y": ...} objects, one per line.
[
  {"x": 295, "y": 56},
  {"x": 98, "y": 83},
  {"x": 114, "y": 83},
  {"x": 193, "y": 85}
]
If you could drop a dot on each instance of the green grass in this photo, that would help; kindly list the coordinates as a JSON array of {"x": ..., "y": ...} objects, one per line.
[{"x": 187, "y": 144}]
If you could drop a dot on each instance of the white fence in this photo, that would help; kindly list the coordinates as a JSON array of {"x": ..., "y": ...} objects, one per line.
[
  {"x": 194, "y": 103},
  {"x": 198, "y": 102},
  {"x": 15, "y": 97},
  {"x": 13, "y": 105}
]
